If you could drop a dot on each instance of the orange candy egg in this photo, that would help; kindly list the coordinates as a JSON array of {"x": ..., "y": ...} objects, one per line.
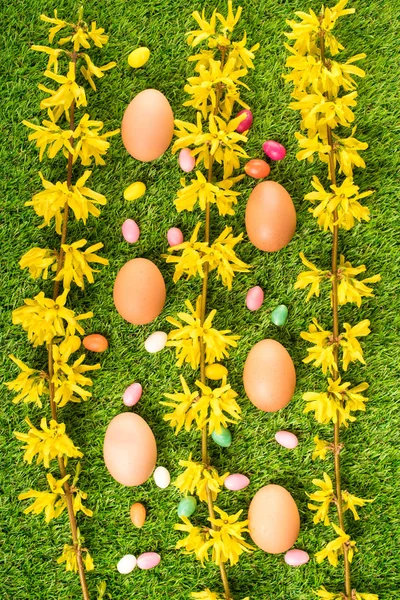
[
  {"x": 138, "y": 514},
  {"x": 257, "y": 168},
  {"x": 95, "y": 342}
]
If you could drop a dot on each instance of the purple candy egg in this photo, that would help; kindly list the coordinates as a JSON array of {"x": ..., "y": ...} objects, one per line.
[
  {"x": 296, "y": 558},
  {"x": 274, "y": 150}
]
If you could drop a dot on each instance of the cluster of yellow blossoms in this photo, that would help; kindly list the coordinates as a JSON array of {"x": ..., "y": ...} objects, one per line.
[
  {"x": 49, "y": 321},
  {"x": 214, "y": 142},
  {"x": 324, "y": 94}
]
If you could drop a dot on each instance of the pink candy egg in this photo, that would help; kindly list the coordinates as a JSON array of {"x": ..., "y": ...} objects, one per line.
[
  {"x": 236, "y": 482},
  {"x": 130, "y": 231},
  {"x": 132, "y": 394},
  {"x": 296, "y": 558},
  {"x": 174, "y": 236},
  {"x": 286, "y": 439},
  {"x": 148, "y": 560},
  {"x": 274, "y": 150},
  {"x": 186, "y": 160},
  {"x": 254, "y": 298},
  {"x": 247, "y": 122}
]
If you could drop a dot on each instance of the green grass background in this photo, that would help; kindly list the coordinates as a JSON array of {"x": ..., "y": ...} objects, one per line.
[{"x": 29, "y": 547}]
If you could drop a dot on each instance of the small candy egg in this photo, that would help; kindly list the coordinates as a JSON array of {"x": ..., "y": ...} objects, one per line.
[
  {"x": 187, "y": 506},
  {"x": 247, "y": 122},
  {"x": 156, "y": 342},
  {"x": 138, "y": 514},
  {"x": 274, "y": 150},
  {"x": 127, "y": 564},
  {"x": 236, "y": 482},
  {"x": 223, "y": 439},
  {"x": 162, "y": 478},
  {"x": 296, "y": 558},
  {"x": 132, "y": 394},
  {"x": 95, "y": 342},
  {"x": 216, "y": 371},
  {"x": 130, "y": 231},
  {"x": 186, "y": 160},
  {"x": 286, "y": 439},
  {"x": 256, "y": 168},
  {"x": 148, "y": 560},
  {"x": 254, "y": 298},
  {"x": 174, "y": 236},
  {"x": 279, "y": 315},
  {"x": 138, "y": 57},
  {"x": 134, "y": 191}
]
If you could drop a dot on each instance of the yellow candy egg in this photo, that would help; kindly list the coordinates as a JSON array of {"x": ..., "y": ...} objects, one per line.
[
  {"x": 138, "y": 57},
  {"x": 216, "y": 371},
  {"x": 134, "y": 191}
]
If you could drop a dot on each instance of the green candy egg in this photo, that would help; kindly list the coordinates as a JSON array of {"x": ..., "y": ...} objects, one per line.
[
  {"x": 223, "y": 439},
  {"x": 279, "y": 315},
  {"x": 187, "y": 506}
]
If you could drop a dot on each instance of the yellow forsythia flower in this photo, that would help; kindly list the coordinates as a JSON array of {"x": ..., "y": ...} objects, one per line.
[
  {"x": 71, "y": 562},
  {"x": 335, "y": 548},
  {"x": 44, "y": 318},
  {"x": 322, "y": 352},
  {"x": 226, "y": 542},
  {"x": 321, "y": 448},
  {"x": 349, "y": 288},
  {"x": 216, "y": 407},
  {"x": 77, "y": 263},
  {"x": 324, "y": 496},
  {"x": 58, "y": 24},
  {"x": 194, "y": 541},
  {"x": 313, "y": 277},
  {"x": 183, "y": 403},
  {"x": 47, "y": 443},
  {"x": 197, "y": 479},
  {"x": 68, "y": 92},
  {"x": 30, "y": 383},
  {"x": 89, "y": 143},
  {"x": 54, "y": 54},
  {"x": 50, "y": 502},
  {"x": 186, "y": 338},
  {"x": 350, "y": 503},
  {"x": 337, "y": 403},
  {"x": 205, "y": 595},
  {"x": 50, "y": 134},
  {"x": 325, "y": 595},
  {"x": 91, "y": 70},
  {"x": 38, "y": 261},
  {"x": 351, "y": 347}
]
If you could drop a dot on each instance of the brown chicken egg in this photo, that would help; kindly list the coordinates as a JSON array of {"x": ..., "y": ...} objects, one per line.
[
  {"x": 270, "y": 216},
  {"x": 130, "y": 450},
  {"x": 147, "y": 126},
  {"x": 139, "y": 291},
  {"x": 274, "y": 520},
  {"x": 269, "y": 376}
]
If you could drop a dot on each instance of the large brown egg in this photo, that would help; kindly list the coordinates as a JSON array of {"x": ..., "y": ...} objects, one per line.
[
  {"x": 274, "y": 520},
  {"x": 139, "y": 291},
  {"x": 269, "y": 377},
  {"x": 270, "y": 216},
  {"x": 148, "y": 125},
  {"x": 130, "y": 450}
]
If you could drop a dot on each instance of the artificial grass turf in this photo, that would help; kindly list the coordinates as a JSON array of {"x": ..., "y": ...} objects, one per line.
[{"x": 370, "y": 463}]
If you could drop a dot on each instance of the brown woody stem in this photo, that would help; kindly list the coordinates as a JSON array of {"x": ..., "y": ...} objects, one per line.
[
  {"x": 53, "y": 406},
  {"x": 204, "y": 448},
  {"x": 335, "y": 314}
]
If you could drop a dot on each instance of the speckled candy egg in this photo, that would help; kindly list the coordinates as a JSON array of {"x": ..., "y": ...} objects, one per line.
[
  {"x": 139, "y": 291},
  {"x": 147, "y": 126},
  {"x": 270, "y": 217},
  {"x": 130, "y": 450},
  {"x": 269, "y": 376},
  {"x": 274, "y": 520}
]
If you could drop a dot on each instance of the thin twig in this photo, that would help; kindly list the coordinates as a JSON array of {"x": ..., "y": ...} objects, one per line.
[
  {"x": 53, "y": 406},
  {"x": 335, "y": 314}
]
